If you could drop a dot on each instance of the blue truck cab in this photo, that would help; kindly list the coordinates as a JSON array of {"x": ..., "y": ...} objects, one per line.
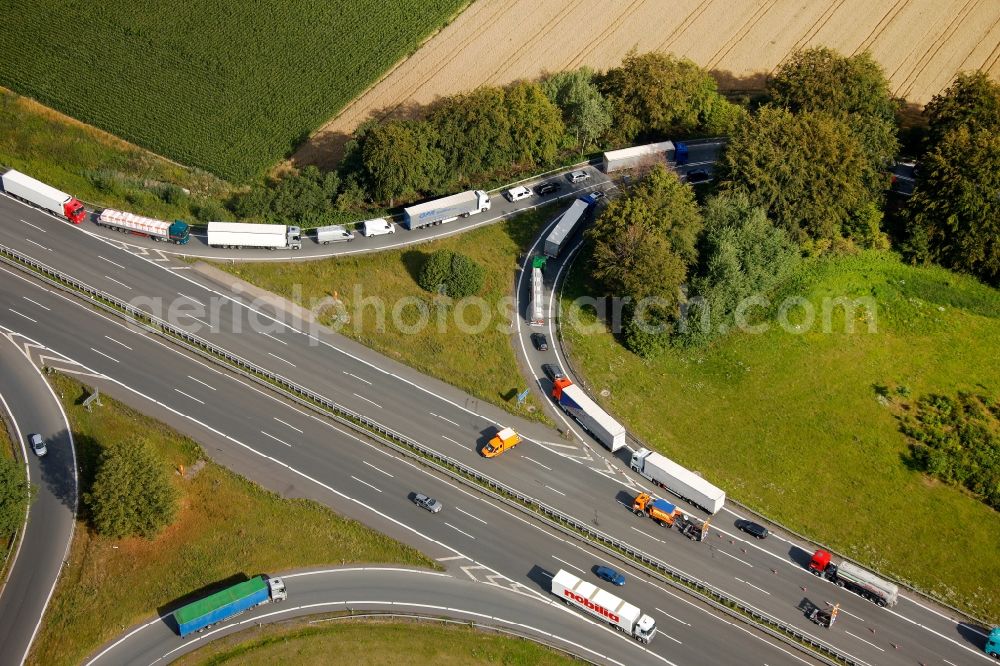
[
  {"x": 179, "y": 232},
  {"x": 993, "y": 643}
]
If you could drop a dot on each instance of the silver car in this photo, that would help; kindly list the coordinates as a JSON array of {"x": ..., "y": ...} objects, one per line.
[
  {"x": 37, "y": 444},
  {"x": 428, "y": 503}
]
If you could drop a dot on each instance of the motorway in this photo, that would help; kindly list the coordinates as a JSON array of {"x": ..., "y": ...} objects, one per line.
[
  {"x": 300, "y": 453},
  {"x": 38, "y": 560},
  {"x": 576, "y": 477}
]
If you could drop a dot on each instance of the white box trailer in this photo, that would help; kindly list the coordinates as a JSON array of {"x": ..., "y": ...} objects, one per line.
[
  {"x": 446, "y": 209},
  {"x": 589, "y": 414},
  {"x": 159, "y": 230},
  {"x": 628, "y": 158},
  {"x": 564, "y": 229},
  {"x": 603, "y": 605},
  {"x": 242, "y": 234},
  {"x": 44, "y": 196},
  {"x": 680, "y": 481},
  {"x": 536, "y": 306}
]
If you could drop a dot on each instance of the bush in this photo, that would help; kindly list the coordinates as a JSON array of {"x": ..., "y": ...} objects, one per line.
[
  {"x": 15, "y": 494},
  {"x": 131, "y": 494},
  {"x": 451, "y": 274}
]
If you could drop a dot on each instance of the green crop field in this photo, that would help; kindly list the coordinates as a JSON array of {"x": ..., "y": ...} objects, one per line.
[
  {"x": 792, "y": 424},
  {"x": 226, "y": 85}
]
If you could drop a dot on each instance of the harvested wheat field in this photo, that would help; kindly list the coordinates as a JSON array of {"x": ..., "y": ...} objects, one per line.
[{"x": 921, "y": 44}]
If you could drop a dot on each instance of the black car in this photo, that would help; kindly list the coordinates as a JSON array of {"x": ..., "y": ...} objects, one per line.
[
  {"x": 752, "y": 528},
  {"x": 548, "y": 188},
  {"x": 553, "y": 371},
  {"x": 696, "y": 176},
  {"x": 540, "y": 341}
]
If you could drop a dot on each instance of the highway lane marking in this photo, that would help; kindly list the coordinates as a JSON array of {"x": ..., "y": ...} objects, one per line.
[
  {"x": 672, "y": 617},
  {"x": 948, "y": 662},
  {"x": 98, "y": 351},
  {"x": 190, "y": 298},
  {"x": 568, "y": 564},
  {"x": 719, "y": 550},
  {"x": 281, "y": 359},
  {"x": 459, "y": 531},
  {"x": 367, "y": 400},
  {"x": 273, "y": 338},
  {"x": 537, "y": 463},
  {"x": 19, "y": 314},
  {"x": 38, "y": 244},
  {"x": 444, "y": 419},
  {"x": 753, "y": 586},
  {"x": 864, "y": 641},
  {"x": 471, "y": 516},
  {"x": 378, "y": 490},
  {"x": 556, "y": 491},
  {"x": 201, "y": 382},
  {"x": 188, "y": 395},
  {"x": 646, "y": 534},
  {"x": 380, "y": 470},
  {"x": 36, "y": 303},
  {"x": 360, "y": 379},
  {"x": 118, "y": 282},
  {"x": 661, "y": 633},
  {"x": 35, "y": 226},
  {"x": 451, "y": 440},
  {"x": 114, "y": 263},
  {"x": 288, "y": 424},
  {"x": 452, "y": 557},
  {"x": 118, "y": 342},
  {"x": 830, "y": 603},
  {"x": 267, "y": 434},
  {"x": 563, "y": 446}
]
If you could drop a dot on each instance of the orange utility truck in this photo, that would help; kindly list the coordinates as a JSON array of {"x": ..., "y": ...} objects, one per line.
[{"x": 505, "y": 439}]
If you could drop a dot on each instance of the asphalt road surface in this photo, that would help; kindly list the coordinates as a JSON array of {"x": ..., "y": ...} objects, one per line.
[{"x": 46, "y": 540}]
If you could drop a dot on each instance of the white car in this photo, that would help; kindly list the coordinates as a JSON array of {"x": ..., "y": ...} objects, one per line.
[
  {"x": 518, "y": 193},
  {"x": 377, "y": 227},
  {"x": 37, "y": 444}
]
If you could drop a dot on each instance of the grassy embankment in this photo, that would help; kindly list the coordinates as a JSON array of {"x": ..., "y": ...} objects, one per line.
[
  {"x": 482, "y": 364},
  {"x": 226, "y": 526},
  {"x": 791, "y": 423},
  {"x": 376, "y": 643}
]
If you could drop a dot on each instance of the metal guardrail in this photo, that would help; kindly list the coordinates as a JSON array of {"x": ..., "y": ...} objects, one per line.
[{"x": 455, "y": 469}]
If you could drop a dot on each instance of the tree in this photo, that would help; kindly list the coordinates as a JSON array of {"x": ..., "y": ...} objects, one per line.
[
  {"x": 298, "y": 198},
  {"x": 853, "y": 89},
  {"x": 132, "y": 493},
  {"x": 809, "y": 172},
  {"x": 15, "y": 495},
  {"x": 535, "y": 123},
  {"x": 743, "y": 255},
  {"x": 474, "y": 133},
  {"x": 452, "y": 274},
  {"x": 585, "y": 111},
  {"x": 954, "y": 214},
  {"x": 972, "y": 100},
  {"x": 660, "y": 95},
  {"x": 399, "y": 158}
]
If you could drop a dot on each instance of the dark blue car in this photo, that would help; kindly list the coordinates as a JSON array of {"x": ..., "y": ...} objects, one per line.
[{"x": 610, "y": 575}]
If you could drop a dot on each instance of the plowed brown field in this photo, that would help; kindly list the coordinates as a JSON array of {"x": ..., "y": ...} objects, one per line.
[{"x": 921, "y": 44}]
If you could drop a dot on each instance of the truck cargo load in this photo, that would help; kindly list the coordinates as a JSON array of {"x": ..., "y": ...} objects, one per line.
[
  {"x": 854, "y": 578},
  {"x": 536, "y": 306},
  {"x": 446, "y": 209},
  {"x": 682, "y": 482},
  {"x": 603, "y": 605},
  {"x": 159, "y": 230},
  {"x": 645, "y": 156},
  {"x": 595, "y": 420},
  {"x": 661, "y": 511},
  {"x": 44, "y": 196},
  {"x": 563, "y": 231},
  {"x": 224, "y": 604},
  {"x": 242, "y": 234}
]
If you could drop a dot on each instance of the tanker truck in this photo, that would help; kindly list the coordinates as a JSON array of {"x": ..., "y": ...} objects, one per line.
[{"x": 854, "y": 578}]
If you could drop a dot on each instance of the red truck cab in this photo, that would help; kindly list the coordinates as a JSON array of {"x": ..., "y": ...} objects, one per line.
[
  {"x": 558, "y": 385},
  {"x": 74, "y": 211},
  {"x": 819, "y": 562}
]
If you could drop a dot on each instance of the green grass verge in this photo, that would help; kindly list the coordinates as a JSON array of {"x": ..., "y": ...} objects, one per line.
[
  {"x": 226, "y": 526},
  {"x": 375, "y": 643},
  {"x": 225, "y": 85},
  {"x": 482, "y": 364},
  {"x": 6, "y": 443},
  {"x": 96, "y": 167},
  {"x": 790, "y": 423}
]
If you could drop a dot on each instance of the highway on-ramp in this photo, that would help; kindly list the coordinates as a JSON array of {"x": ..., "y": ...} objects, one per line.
[{"x": 51, "y": 517}]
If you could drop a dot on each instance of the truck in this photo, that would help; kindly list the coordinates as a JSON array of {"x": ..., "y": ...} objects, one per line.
[
  {"x": 854, "y": 578},
  {"x": 603, "y": 605},
  {"x": 661, "y": 511},
  {"x": 159, "y": 230},
  {"x": 536, "y": 306},
  {"x": 645, "y": 156},
  {"x": 992, "y": 647},
  {"x": 563, "y": 231},
  {"x": 44, "y": 196},
  {"x": 684, "y": 483},
  {"x": 572, "y": 399},
  {"x": 242, "y": 234},
  {"x": 446, "y": 209},
  {"x": 224, "y": 604},
  {"x": 505, "y": 439}
]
